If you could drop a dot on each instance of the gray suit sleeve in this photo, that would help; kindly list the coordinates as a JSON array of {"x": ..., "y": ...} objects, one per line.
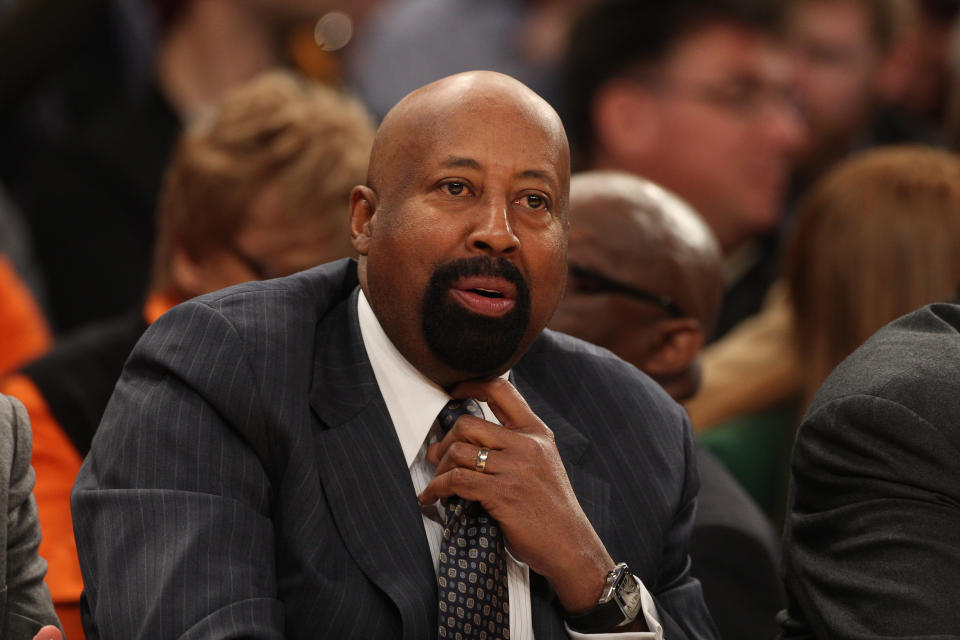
[
  {"x": 172, "y": 507},
  {"x": 871, "y": 545},
  {"x": 28, "y": 605}
]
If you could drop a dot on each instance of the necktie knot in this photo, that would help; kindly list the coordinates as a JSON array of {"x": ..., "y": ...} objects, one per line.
[{"x": 454, "y": 409}]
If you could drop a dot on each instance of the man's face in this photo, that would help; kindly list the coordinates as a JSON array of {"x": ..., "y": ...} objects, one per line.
[
  {"x": 272, "y": 241},
  {"x": 465, "y": 260},
  {"x": 835, "y": 71},
  {"x": 285, "y": 240},
  {"x": 726, "y": 130}
]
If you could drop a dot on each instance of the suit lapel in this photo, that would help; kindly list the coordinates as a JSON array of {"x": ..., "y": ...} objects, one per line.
[
  {"x": 365, "y": 477},
  {"x": 592, "y": 491}
]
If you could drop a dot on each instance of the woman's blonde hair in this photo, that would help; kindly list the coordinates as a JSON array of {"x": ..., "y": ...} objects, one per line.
[
  {"x": 279, "y": 130},
  {"x": 876, "y": 238}
]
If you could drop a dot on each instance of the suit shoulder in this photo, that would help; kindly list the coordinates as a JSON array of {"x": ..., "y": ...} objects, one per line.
[
  {"x": 554, "y": 349},
  {"x": 316, "y": 288},
  {"x": 914, "y": 361},
  {"x": 577, "y": 371},
  {"x": 283, "y": 309}
]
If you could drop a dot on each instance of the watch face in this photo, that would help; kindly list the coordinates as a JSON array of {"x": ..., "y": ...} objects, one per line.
[{"x": 629, "y": 597}]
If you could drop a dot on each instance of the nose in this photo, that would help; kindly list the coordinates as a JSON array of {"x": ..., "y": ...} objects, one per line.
[
  {"x": 786, "y": 128},
  {"x": 493, "y": 234}
]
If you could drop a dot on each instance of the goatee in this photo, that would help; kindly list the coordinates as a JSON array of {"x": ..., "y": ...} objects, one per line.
[{"x": 465, "y": 340}]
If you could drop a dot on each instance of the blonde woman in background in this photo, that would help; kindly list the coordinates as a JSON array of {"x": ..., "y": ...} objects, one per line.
[{"x": 876, "y": 238}]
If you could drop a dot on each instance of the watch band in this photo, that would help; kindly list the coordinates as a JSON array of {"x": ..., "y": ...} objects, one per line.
[{"x": 618, "y": 605}]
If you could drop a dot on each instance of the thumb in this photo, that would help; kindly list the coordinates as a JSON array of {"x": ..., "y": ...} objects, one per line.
[{"x": 48, "y": 632}]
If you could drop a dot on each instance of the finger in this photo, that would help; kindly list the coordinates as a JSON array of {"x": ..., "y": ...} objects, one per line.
[
  {"x": 467, "y": 456},
  {"x": 466, "y": 483},
  {"x": 48, "y": 632},
  {"x": 469, "y": 429},
  {"x": 503, "y": 399}
]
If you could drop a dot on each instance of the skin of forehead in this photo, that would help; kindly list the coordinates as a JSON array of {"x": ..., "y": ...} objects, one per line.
[
  {"x": 417, "y": 122},
  {"x": 649, "y": 237}
]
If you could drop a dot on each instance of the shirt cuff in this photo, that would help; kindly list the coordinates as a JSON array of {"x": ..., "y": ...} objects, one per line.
[{"x": 649, "y": 609}]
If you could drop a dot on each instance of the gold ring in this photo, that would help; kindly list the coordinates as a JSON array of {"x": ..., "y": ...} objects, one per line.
[{"x": 482, "y": 459}]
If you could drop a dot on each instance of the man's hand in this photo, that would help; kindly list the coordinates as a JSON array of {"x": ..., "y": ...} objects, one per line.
[
  {"x": 525, "y": 487},
  {"x": 48, "y": 632}
]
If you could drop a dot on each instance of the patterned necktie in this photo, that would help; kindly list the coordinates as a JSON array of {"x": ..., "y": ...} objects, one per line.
[{"x": 472, "y": 575}]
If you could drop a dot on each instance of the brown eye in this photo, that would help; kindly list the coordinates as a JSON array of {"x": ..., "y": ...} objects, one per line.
[
  {"x": 454, "y": 188},
  {"x": 535, "y": 201}
]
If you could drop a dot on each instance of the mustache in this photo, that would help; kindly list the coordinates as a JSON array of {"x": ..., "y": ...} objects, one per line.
[{"x": 446, "y": 274}]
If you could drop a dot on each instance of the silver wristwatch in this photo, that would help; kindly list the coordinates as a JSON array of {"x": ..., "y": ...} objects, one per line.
[{"x": 619, "y": 604}]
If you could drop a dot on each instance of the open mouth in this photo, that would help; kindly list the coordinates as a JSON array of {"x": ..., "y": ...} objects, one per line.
[{"x": 485, "y": 295}]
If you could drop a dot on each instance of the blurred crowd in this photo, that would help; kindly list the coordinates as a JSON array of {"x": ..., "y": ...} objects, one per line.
[{"x": 760, "y": 185}]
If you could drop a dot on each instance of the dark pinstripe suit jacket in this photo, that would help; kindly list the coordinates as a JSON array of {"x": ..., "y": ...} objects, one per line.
[{"x": 246, "y": 480}]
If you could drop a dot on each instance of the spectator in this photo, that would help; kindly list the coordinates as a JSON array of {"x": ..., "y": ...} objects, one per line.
[
  {"x": 88, "y": 191},
  {"x": 404, "y": 44},
  {"x": 870, "y": 546},
  {"x": 693, "y": 95},
  {"x": 874, "y": 239},
  {"x": 842, "y": 52},
  {"x": 258, "y": 190},
  {"x": 917, "y": 76},
  {"x": 23, "y": 329},
  {"x": 646, "y": 281}
]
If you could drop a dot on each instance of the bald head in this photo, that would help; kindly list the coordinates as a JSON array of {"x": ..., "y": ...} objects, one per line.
[
  {"x": 422, "y": 119},
  {"x": 648, "y": 237},
  {"x": 631, "y": 232}
]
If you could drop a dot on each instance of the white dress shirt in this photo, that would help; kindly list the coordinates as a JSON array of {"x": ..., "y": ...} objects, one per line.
[{"x": 414, "y": 401}]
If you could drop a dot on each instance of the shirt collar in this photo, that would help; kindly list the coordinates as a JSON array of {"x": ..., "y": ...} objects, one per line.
[{"x": 412, "y": 399}]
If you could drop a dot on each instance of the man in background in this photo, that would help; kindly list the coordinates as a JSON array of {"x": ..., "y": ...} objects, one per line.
[
  {"x": 694, "y": 96},
  {"x": 845, "y": 54},
  {"x": 258, "y": 190},
  {"x": 645, "y": 281}
]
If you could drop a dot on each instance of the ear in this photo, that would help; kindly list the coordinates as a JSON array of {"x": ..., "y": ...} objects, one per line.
[
  {"x": 363, "y": 207},
  {"x": 678, "y": 342},
  {"x": 625, "y": 120}
]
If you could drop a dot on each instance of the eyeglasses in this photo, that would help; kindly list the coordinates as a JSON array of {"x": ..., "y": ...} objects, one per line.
[
  {"x": 257, "y": 267},
  {"x": 747, "y": 99},
  {"x": 587, "y": 281}
]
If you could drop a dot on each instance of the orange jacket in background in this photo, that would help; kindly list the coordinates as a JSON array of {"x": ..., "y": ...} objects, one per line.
[{"x": 24, "y": 334}]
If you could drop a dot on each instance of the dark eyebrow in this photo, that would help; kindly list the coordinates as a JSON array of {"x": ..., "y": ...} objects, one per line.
[
  {"x": 536, "y": 174},
  {"x": 456, "y": 161}
]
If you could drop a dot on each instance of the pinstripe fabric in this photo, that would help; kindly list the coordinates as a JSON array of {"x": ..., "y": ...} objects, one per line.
[{"x": 235, "y": 486}]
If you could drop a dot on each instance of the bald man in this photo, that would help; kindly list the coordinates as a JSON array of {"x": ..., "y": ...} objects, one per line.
[
  {"x": 646, "y": 282},
  {"x": 659, "y": 268},
  {"x": 273, "y": 462}
]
